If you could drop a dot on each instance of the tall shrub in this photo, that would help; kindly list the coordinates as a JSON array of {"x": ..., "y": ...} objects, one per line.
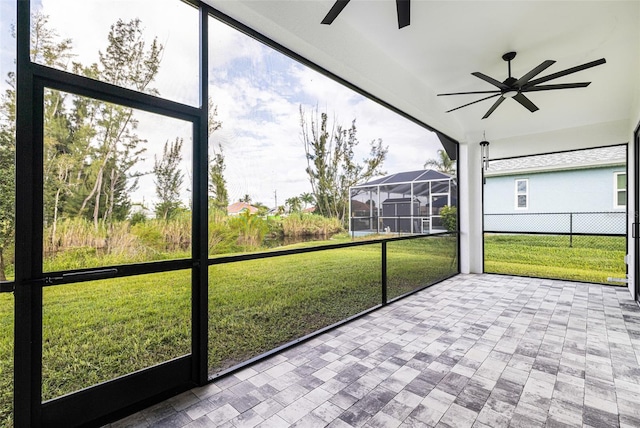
[{"x": 450, "y": 218}]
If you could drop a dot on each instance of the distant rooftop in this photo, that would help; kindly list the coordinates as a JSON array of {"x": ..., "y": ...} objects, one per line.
[
  {"x": 578, "y": 159},
  {"x": 238, "y": 207}
]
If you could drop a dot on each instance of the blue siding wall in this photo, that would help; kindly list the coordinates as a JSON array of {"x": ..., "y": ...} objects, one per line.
[
  {"x": 585, "y": 190},
  {"x": 575, "y": 191}
]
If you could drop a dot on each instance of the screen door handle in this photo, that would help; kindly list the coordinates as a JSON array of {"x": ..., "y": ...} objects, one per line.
[{"x": 90, "y": 274}]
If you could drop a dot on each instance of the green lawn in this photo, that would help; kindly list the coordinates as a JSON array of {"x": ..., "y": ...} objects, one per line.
[
  {"x": 6, "y": 358},
  {"x": 99, "y": 330},
  {"x": 590, "y": 258}
]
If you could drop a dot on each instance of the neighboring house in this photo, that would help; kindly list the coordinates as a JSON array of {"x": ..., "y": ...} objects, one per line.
[
  {"x": 553, "y": 193},
  {"x": 238, "y": 208},
  {"x": 406, "y": 202}
]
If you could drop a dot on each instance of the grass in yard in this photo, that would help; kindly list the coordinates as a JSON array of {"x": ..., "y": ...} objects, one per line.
[
  {"x": 6, "y": 359},
  {"x": 414, "y": 263},
  {"x": 257, "y": 305},
  {"x": 590, "y": 258},
  {"x": 96, "y": 331},
  {"x": 99, "y": 330}
]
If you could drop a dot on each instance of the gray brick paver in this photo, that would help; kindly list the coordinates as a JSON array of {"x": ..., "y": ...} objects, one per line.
[{"x": 473, "y": 350}]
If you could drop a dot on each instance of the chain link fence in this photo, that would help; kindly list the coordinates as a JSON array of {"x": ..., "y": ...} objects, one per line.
[
  {"x": 583, "y": 246},
  {"x": 591, "y": 223}
]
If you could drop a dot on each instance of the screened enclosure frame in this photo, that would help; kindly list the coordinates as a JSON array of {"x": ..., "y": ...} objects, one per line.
[
  {"x": 411, "y": 206},
  {"x": 118, "y": 397}
]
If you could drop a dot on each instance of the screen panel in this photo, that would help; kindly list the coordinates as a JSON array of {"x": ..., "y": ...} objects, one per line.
[
  {"x": 258, "y": 305},
  {"x": 150, "y": 47},
  {"x": 100, "y": 330},
  {"x": 117, "y": 184}
]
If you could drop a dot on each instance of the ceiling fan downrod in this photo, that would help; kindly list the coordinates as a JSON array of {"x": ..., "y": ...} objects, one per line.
[{"x": 508, "y": 57}]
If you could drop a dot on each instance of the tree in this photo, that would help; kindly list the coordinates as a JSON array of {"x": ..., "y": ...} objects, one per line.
[
  {"x": 169, "y": 179},
  {"x": 443, "y": 164},
  {"x": 218, "y": 194},
  {"x": 330, "y": 165},
  {"x": 116, "y": 147},
  {"x": 294, "y": 204},
  {"x": 246, "y": 199},
  {"x": 7, "y": 171},
  {"x": 47, "y": 49},
  {"x": 307, "y": 199},
  {"x": 90, "y": 147},
  {"x": 262, "y": 208}
]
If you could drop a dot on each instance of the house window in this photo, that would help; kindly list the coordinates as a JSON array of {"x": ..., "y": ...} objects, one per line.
[
  {"x": 619, "y": 190},
  {"x": 522, "y": 194}
]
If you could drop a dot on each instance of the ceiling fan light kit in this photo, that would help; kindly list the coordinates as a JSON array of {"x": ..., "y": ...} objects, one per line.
[{"x": 514, "y": 88}]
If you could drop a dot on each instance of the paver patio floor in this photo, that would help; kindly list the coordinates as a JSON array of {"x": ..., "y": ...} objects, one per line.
[{"x": 472, "y": 351}]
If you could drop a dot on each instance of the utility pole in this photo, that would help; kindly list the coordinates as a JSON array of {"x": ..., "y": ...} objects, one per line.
[{"x": 275, "y": 195}]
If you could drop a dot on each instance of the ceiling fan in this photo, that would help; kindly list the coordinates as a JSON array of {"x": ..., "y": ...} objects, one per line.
[
  {"x": 514, "y": 88},
  {"x": 403, "y": 7}
]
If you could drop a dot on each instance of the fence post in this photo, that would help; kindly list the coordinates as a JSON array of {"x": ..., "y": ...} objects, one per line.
[
  {"x": 570, "y": 230},
  {"x": 384, "y": 272}
]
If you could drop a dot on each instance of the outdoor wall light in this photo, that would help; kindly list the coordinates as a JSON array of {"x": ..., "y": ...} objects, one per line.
[{"x": 484, "y": 154}]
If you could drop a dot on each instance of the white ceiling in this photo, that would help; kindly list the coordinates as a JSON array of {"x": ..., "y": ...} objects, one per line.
[{"x": 447, "y": 40}]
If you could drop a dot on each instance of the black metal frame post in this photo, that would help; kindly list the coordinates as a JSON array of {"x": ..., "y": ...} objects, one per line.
[
  {"x": 384, "y": 272},
  {"x": 28, "y": 297},
  {"x": 200, "y": 278}
]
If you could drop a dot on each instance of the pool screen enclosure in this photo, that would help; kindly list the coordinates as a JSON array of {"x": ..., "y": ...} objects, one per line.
[{"x": 403, "y": 203}]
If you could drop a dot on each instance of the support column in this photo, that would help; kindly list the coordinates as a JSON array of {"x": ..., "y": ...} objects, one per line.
[{"x": 470, "y": 194}]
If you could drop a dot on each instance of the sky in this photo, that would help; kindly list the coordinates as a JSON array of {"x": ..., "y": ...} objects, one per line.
[{"x": 258, "y": 93}]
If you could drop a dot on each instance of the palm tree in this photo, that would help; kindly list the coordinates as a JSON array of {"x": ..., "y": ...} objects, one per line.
[
  {"x": 444, "y": 164},
  {"x": 307, "y": 199},
  {"x": 293, "y": 204},
  {"x": 262, "y": 208}
]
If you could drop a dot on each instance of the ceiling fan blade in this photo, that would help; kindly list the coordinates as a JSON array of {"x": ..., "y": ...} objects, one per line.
[
  {"x": 491, "y": 80},
  {"x": 557, "y": 86},
  {"x": 533, "y": 73},
  {"x": 469, "y": 93},
  {"x": 404, "y": 12},
  {"x": 565, "y": 72},
  {"x": 493, "y": 107},
  {"x": 473, "y": 102},
  {"x": 335, "y": 11},
  {"x": 526, "y": 102}
]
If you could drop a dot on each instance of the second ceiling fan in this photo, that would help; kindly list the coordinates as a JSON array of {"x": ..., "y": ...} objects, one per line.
[
  {"x": 515, "y": 88},
  {"x": 403, "y": 7}
]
